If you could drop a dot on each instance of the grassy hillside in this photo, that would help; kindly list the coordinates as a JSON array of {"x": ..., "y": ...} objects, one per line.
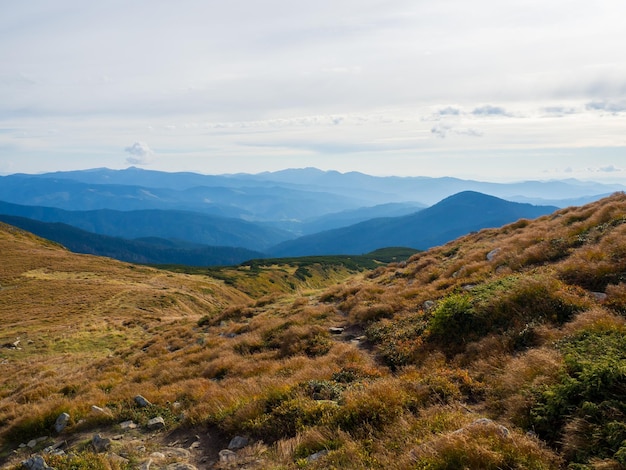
[{"x": 504, "y": 349}]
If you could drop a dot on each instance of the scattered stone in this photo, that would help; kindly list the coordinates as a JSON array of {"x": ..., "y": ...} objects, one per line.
[
  {"x": 13, "y": 345},
  {"x": 177, "y": 453},
  {"x": 503, "y": 431},
  {"x": 141, "y": 401},
  {"x": 181, "y": 466},
  {"x": 599, "y": 296},
  {"x": 117, "y": 437},
  {"x": 145, "y": 465},
  {"x": 35, "y": 463},
  {"x": 238, "y": 442},
  {"x": 61, "y": 422},
  {"x": 117, "y": 459},
  {"x": 98, "y": 410},
  {"x": 227, "y": 456},
  {"x": 195, "y": 445},
  {"x": 128, "y": 425},
  {"x": 428, "y": 305},
  {"x": 492, "y": 254},
  {"x": 55, "y": 449},
  {"x": 32, "y": 443},
  {"x": 157, "y": 456},
  {"x": 156, "y": 423},
  {"x": 100, "y": 444},
  {"x": 336, "y": 330},
  {"x": 316, "y": 456}
]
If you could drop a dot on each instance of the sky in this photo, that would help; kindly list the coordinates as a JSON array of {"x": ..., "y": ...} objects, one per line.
[{"x": 489, "y": 89}]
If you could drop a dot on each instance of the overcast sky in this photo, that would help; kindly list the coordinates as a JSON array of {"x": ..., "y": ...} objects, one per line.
[{"x": 488, "y": 89}]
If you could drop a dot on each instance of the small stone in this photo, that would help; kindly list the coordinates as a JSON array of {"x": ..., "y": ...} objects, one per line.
[
  {"x": 195, "y": 445},
  {"x": 177, "y": 453},
  {"x": 145, "y": 465},
  {"x": 238, "y": 442},
  {"x": 316, "y": 456},
  {"x": 335, "y": 330},
  {"x": 128, "y": 425},
  {"x": 118, "y": 459},
  {"x": 98, "y": 410},
  {"x": 35, "y": 463},
  {"x": 157, "y": 456},
  {"x": 599, "y": 296},
  {"x": 156, "y": 423},
  {"x": 61, "y": 422},
  {"x": 32, "y": 443},
  {"x": 492, "y": 254},
  {"x": 181, "y": 466},
  {"x": 227, "y": 456},
  {"x": 141, "y": 401},
  {"x": 100, "y": 444},
  {"x": 55, "y": 449}
]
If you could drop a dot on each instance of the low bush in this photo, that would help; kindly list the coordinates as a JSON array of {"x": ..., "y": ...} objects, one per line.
[{"x": 585, "y": 412}]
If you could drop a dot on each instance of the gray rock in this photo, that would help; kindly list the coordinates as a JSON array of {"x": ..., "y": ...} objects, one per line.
[
  {"x": 599, "y": 296},
  {"x": 100, "y": 444},
  {"x": 181, "y": 466},
  {"x": 238, "y": 442},
  {"x": 141, "y": 401},
  {"x": 177, "y": 453},
  {"x": 128, "y": 425},
  {"x": 98, "y": 410},
  {"x": 428, "y": 305},
  {"x": 55, "y": 449},
  {"x": 118, "y": 459},
  {"x": 492, "y": 254},
  {"x": 503, "y": 431},
  {"x": 61, "y": 422},
  {"x": 156, "y": 423},
  {"x": 35, "y": 463},
  {"x": 145, "y": 465},
  {"x": 335, "y": 330},
  {"x": 316, "y": 456},
  {"x": 227, "y": 456}
]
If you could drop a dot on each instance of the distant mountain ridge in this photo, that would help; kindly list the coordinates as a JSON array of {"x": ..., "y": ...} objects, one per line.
[
  {"x": 358, "y": 188},
  {"x": 452, "y": 217},
  {"x": 292, "y": 212},
  {"x": 144, "y": 251},
  {"x": 193, "y": 227}
]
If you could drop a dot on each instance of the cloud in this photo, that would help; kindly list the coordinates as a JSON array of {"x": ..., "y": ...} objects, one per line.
[
  {"x": 559, "y": 110},
  {"x": 609, "y": 169},
  {"x": 443, "y": 130},
  {"x": 609, "y": 106},
  {"x": 449, "y": 111},
  {"x": 489, "y": 110},
  {"x": 140, "y": 154}
]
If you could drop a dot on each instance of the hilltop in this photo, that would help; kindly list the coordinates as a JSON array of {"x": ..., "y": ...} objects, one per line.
[{"x": 500, "y": 349}]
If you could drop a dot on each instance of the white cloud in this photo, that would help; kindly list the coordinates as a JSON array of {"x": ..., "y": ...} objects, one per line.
[
  {"x": 140, "y": 154},
  {"x": 611, "y": 106},
  {"x": 609, "y": 169}
]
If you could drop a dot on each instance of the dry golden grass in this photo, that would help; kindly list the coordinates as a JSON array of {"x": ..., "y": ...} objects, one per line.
[{"x": 93, "y": 331}]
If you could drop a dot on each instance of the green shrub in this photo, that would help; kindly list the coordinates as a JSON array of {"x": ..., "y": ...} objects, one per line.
[{"x": 585, "y": 411}]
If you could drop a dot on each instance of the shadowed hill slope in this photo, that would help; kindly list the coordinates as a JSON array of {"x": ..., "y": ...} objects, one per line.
[
  {"x": 151, "y": 250},
  {"x": 454, "y": 216}
]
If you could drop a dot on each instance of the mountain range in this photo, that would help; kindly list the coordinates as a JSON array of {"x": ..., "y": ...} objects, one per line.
[{"x": 287, "y": 213}]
